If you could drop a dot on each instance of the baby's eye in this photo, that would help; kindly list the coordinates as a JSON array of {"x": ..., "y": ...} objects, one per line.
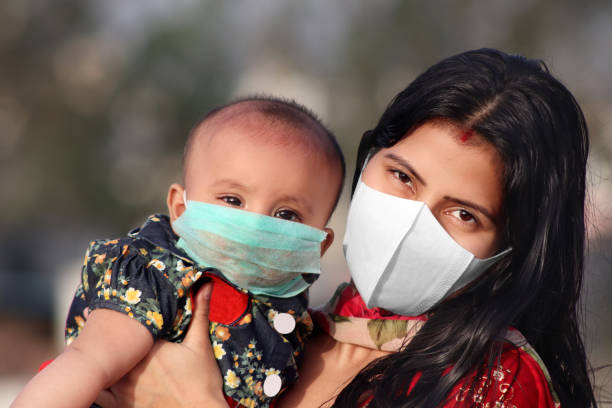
[
  {"x": 288, "y": 215},
  {"x": 231, "y": 200},
  {"x": 463, "y": 216}
]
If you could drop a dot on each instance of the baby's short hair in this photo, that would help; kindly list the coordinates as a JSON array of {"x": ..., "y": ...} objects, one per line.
[
  {"x": 285, "y": 111},
  {"x": 276, "y": 111}
]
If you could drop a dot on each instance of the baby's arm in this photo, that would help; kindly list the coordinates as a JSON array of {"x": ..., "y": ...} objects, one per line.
[{"x": 109, "y": 345}]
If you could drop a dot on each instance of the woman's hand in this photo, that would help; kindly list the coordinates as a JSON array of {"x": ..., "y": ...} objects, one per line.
[{"x": 174, "y": 374}]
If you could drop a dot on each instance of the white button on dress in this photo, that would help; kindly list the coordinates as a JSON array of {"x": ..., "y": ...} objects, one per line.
[
  {"x": 272, "y": 385},
  {"x": 284, "y": 323}
]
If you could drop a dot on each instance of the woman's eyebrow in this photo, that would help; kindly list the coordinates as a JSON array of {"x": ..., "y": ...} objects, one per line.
[
  {"x": 475, "y": 206},
  {"x": 402, "y": 162}
]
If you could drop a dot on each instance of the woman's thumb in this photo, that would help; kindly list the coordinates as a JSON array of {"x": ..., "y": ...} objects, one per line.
[{"x": 197, "y": 335}]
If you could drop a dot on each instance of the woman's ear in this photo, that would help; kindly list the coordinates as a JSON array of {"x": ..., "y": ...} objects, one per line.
[
  {"x": 175, "y": 201},
  {"x": 327, "y": 241}
]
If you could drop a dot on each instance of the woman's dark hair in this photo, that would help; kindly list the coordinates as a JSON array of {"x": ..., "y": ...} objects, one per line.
[{"x": 539, "y": 130}]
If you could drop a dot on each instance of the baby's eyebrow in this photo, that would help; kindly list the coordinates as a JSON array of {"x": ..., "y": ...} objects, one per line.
[
  {"x": 230, "y": 184},
  {"x": 297, "y": 201}
]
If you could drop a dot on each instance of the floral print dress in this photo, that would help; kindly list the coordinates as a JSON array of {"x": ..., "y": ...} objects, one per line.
[{"x": 147, "y": 278}]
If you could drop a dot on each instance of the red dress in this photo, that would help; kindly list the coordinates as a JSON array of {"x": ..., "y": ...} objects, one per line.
[{"x": 520, "y": 379}]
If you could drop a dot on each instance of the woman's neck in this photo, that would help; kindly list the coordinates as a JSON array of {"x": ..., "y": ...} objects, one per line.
[
  {"x": 347, "y": 354},
  {"x": 327, "y": 367}
]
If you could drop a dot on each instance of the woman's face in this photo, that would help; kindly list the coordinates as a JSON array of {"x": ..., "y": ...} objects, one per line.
[{"x": 459, "y": 180}]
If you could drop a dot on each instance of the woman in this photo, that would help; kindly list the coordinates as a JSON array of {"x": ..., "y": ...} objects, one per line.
[{"x": 489, "y": 150}]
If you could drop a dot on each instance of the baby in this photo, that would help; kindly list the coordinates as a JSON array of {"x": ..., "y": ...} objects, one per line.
[{"x": 261, "y": 179}]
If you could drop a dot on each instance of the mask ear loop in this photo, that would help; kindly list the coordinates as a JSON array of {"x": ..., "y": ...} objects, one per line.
[
  {"x": 185, "y": 197},
  {"x": 365, "y": 163}
]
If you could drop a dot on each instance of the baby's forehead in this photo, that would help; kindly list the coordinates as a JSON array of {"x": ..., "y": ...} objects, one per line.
[
  {"x": 289, "y": 129},
  {"x": 247, "y": 125}
]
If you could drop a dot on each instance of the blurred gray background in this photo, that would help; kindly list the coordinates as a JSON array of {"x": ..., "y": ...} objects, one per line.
[{"x": 96, "y": 99}]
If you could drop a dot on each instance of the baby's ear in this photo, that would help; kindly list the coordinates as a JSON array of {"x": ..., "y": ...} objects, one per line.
[
  {"x": 329, "y": 239},
  {"x": 175, "y": 201}
]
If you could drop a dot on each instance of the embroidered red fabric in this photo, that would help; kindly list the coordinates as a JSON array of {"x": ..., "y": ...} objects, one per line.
[{"x": 517, "y": 381}]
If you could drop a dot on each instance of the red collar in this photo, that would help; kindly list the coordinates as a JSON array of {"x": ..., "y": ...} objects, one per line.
[
  {"x": 347, "y": 319},
  {"x": 351, "y": 304}
]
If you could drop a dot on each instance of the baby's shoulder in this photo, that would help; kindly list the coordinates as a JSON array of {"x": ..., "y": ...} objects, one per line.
[
  {"x": 153, "y": 238},
  {"x": 108, "y": 246}
]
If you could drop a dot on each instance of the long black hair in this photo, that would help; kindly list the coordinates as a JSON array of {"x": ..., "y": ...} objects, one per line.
[{"x": 537, "y": 127}]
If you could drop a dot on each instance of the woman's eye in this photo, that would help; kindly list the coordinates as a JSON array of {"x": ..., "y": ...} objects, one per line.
[
  {"x": 402, "y": 177},
  {"x": 463, "y": 216},
  {"x": 231, "y": 200},
  {"x": 287, "y": 215}
]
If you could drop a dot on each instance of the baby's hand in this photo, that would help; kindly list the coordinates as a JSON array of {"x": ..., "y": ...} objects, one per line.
[{"x": 174, "y": 374}]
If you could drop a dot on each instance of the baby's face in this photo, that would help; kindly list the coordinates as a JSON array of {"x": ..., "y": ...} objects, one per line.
[{"x": 239, "y": 167}]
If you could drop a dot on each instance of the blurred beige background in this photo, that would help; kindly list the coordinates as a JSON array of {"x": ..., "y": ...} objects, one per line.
[{"x": 96, "y": 99}]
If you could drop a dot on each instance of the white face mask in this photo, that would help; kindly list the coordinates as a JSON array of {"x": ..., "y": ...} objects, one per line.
[{"x": 400, "y": 257}]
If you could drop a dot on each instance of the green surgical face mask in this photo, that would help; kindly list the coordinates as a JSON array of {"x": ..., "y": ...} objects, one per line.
[{"x": 265, "y": 255}]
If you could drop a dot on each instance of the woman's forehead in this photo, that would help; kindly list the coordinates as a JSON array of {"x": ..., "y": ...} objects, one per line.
[{"x": 436, "y": 151}]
